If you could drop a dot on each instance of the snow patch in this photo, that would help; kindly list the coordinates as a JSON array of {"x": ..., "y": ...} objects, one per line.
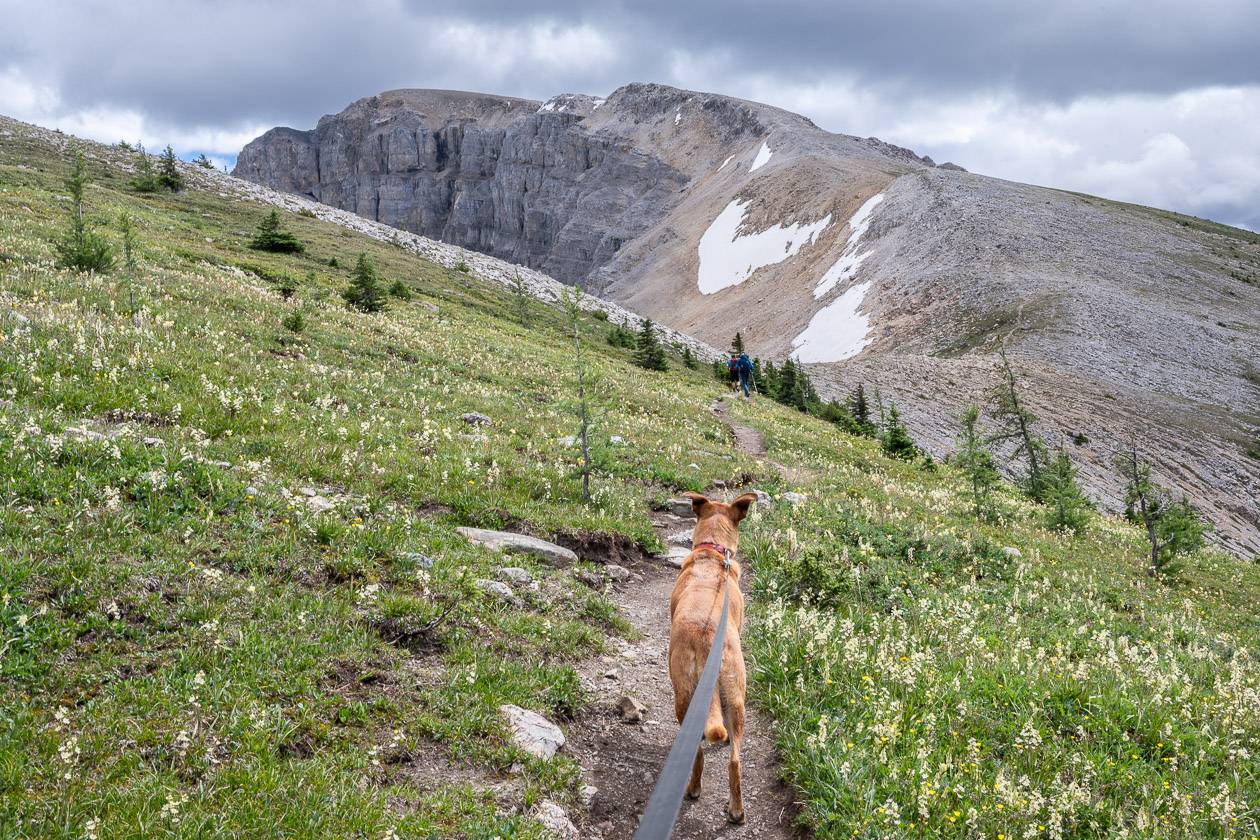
[
  {"x": 728, "y": 259},
  {"x": 598, "y": 101},
  {"x": 549, "y": 105},
  {"x": 728, "y": 160},
  {"x": 837, "y": 331},
  {"x": 763, "y": 157},
  {"x": 850, "y": 260},
  {"x": 677, "y": 116}
]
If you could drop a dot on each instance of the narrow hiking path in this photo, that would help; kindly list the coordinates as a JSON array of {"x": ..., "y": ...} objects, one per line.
[
  {"x": 623, "y": 759},
  {"x": 751, "y": 442}
]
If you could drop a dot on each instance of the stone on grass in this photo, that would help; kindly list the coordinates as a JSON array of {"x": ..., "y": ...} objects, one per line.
[
  {"x": 532, "y": 732},
  {"x": 553, "y": 818},
  {"x": 510, "y": 543},
  {"x": 793, "y": 498},
  {"x": 319, "y": 504},
  {"x": 499, "y": 590},
  {"x": 476, "y": 418},
  {"x": 516, "y": 576},
  {"x": 632, "y": 711},
  {"x": 763, "y": 498},
  {"x": 1012, "y": 552},
  {"x": 424, "y": 561}
]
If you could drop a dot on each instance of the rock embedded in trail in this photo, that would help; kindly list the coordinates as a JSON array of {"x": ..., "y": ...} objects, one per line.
[
  {"x": 617, "y": 574},
  {"x": 681, "y": 507},
  {"x": 511, "y": 543},
  {"x": 553, "y": 818},
  {"x": 532, "y": 732},
  {"x": 632, "y": 711}
]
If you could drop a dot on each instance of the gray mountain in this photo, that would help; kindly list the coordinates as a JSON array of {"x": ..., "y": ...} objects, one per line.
[{"x": 864, "y": 260}]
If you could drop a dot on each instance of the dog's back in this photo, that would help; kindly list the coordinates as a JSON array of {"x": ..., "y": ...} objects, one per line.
[{"x": 709, "y": 573}]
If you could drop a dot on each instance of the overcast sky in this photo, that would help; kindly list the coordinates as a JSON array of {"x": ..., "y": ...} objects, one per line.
[{"x": 1150, "y": 101}]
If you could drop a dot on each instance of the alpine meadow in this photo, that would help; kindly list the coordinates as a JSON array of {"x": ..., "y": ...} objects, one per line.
[{"x": 250, "y": 447}]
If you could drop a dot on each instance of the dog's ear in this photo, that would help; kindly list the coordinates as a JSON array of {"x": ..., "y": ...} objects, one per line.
[
  {"x": 739, "y": 507},
  {"x": 697, "y": 502}
]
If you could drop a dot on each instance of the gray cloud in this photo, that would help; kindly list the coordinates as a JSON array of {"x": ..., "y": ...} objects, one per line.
[{"x": 1011, "y": 89}]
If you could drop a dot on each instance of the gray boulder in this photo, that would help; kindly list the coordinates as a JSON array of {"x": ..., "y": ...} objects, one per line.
[
  {"x": 516, "y": 576},
  {"x": 476, "y": 418},
  {"x": 532, "y": 732},
  {"x": 499, "y": 590},
  {"x": 510, "y": 543},
  {"x": 553, "y": 818}
]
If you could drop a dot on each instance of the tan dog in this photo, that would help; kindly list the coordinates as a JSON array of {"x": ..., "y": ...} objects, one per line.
[{"x": 695, "y": 608}]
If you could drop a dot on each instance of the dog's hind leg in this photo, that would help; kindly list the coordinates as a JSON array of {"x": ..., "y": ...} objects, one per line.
[
  {"x": 697, "y": 772},
  {"x": 735, "y": 720}
]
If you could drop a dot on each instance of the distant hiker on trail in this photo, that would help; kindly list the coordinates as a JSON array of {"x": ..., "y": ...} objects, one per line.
[
  {"x": 732, "y": 371},
  {"x": 744, "y": 366}
]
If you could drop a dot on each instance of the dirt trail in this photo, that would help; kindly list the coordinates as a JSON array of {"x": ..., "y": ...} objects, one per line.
[{"x": 622, "y": 760}]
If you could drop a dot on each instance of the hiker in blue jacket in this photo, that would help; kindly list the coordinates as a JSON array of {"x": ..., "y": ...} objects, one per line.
[{"x": 744, "y": 366}]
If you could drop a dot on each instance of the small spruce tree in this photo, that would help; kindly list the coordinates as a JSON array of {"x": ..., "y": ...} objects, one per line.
[
  {"x": 737, "y": 343},
  {"x": 168, "y": 173},
  {"x": 80, "y": 248},
  {"x": 270, "y": 236},
  {"x": 128, "y": 230},
  {"x": 689, "y": 358},
  {"x": 1016, "y": 423},
  {"x": 1172, "y": 526},
  {"x": 400, "y": 290},
  {"x": 861, "y": 411},
  {"x": 204, "y": 162},
  {"x": 520, "y": 298},
  {"x": 976, "y": 463},
  {"x": 649, "y": 353},
  {"x": 146, "y": 177},
  {"x": 365, "y": 293},
  {"x": 1066, "y": 506},
  {"x": 896, "y": 440}
]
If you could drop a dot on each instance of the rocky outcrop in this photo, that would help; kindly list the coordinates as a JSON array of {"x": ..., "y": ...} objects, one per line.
[{"x": 512, "y": 178}]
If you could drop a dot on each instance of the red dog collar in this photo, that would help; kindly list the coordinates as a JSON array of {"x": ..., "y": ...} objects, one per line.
[{"x": 720, "y": 549}]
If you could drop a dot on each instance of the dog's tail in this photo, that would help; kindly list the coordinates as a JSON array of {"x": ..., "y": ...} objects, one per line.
[{"x": 714, "y": 728}]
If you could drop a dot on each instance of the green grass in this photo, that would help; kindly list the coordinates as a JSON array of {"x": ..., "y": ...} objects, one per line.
[
  {"x": 189, "y": 649},
  {"x": 926, "y": 684}
]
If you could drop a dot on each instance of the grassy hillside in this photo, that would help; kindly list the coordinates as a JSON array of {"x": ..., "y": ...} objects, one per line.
[{"x": 233, "y": 603}]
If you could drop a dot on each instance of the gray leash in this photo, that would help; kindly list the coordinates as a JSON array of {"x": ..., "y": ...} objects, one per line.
[{"x": 657, "y": 822}]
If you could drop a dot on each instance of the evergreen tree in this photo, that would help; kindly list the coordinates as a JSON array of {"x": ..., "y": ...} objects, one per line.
[
  {"x": 770, "y": 376},
  {"x": 1172, "y": 526},
  {"x": 1016, "y": 423},
  {"x": 976, "y": 463},
  {"x": 648, "y": 352},
  {"x": 400, "y": 290},
  {"x": 861, "y": 411},
  {"x": 520, "y": 298},
  {"x": 128, "y": 230},
  {"x": 80, "y": 248},
  {"x": 168, "y": 173},
  {"x": 365, "y": 293},
  {"x": 737, "y": 344},
  {"x": 572, "y": 300},
  {"x": 1066, "y": 505},
  {"x": 896, "y": 440},
  {"x": 270, "y": 236},
  {"x": 146, "y": 178},
  {"x": 786, "y": 387},
  {"x": 204, "y": 162},
  {"x": 619, "y": 336},
  {"x": 688, "y": 358}
]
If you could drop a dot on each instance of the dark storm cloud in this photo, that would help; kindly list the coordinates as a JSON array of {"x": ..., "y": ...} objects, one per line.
[{"x": 216, "y": 62}]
